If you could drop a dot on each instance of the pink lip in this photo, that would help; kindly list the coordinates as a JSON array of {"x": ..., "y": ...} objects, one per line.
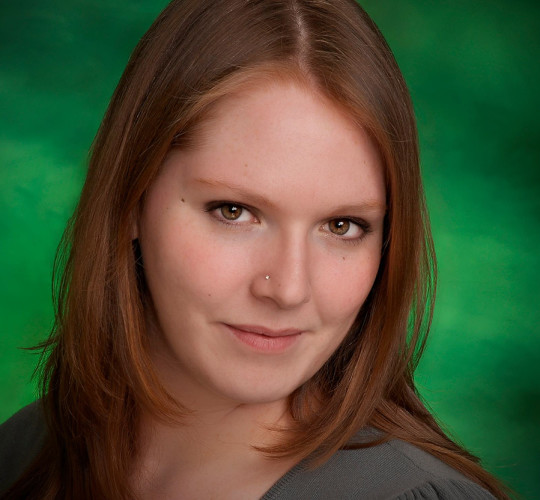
[
  {"x": 264, "y": 339},
  {"x": 261, "y": 330}
]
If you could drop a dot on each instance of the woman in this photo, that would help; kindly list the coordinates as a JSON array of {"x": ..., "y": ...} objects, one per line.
[{"x": 248, "y": 278}]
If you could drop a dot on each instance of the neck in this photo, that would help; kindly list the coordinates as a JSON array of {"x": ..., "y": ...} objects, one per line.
[
  {"x": 211, "y": 450},
  {"x": 222, "y": 428}
]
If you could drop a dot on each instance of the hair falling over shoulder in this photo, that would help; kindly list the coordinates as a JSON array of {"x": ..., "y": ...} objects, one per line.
[{"x": 96, "y": 372}]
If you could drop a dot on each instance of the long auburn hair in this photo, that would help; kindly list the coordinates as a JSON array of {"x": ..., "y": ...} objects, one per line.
[{"x": 96, "y": 374}]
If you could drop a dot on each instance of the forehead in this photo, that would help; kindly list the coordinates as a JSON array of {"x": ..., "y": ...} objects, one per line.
[
  {"x": 277, "y": 110},
  {"x": 285, "y": 135}
]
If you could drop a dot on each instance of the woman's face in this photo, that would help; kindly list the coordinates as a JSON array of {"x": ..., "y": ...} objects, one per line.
[{"x": 260, "y": 245}]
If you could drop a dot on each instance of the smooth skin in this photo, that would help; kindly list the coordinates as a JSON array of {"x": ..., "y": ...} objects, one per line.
[{"x": 282, "y": 183}]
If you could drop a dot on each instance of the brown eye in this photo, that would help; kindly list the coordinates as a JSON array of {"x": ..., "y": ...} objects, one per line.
[
  {"x": 231, "y": 212},
  {"x": 339, "y": 226}
]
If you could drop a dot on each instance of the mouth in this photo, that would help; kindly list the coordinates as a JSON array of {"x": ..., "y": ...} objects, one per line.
[
  {"x": 267, "y": 332},
  {"x": 265, "y": 339}
]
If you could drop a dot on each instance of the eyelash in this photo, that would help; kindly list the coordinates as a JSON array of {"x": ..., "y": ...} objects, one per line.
[{"x": 364, "y": 226}]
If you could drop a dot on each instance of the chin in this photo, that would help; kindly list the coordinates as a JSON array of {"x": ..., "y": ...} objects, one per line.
[{"x": 255, "y": 394}]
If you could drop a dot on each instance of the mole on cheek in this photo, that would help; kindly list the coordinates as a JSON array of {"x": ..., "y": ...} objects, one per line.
[{"x": 183, "y": 201}]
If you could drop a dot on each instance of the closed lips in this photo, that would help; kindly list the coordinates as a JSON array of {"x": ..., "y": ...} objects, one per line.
[{"x": 261, "y": 330}]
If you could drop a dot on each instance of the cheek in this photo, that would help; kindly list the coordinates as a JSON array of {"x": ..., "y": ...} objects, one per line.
[
  {"x": 344, "y": 288},
  {"x": 188, "y": 261}
]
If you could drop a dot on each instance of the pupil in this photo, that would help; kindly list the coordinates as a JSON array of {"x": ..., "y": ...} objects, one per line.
[
  {"x": 340, "y": 227},
  {"x": 231, "y": 212}
]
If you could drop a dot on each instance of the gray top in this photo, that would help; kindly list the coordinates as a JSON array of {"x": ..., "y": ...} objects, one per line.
[{"x": 393, "y": 470}]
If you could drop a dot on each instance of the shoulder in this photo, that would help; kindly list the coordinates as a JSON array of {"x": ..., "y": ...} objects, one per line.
[
  {"x": 417, "y": 474},
  {"x": 393, "y": 470},
  {"x": 21, "y": 437}
]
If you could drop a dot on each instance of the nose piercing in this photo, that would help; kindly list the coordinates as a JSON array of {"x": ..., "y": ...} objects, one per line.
[{"x": 267, "y": 277}]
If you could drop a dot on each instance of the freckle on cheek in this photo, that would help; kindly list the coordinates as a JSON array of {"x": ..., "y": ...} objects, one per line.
[
  {"x": 343, "y": 258},
  {"x": 183, "y": 201}
]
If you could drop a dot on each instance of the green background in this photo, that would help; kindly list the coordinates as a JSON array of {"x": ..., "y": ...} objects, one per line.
[{"x": 472, "y": 68}]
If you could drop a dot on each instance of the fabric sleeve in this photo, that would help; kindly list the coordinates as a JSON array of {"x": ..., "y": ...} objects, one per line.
[
  {"x": 21, "y": 438},
  {"x": 447, "y": 489}
]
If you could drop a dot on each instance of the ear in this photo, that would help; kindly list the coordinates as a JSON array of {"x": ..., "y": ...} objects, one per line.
[{"x": 134, "y": 222}]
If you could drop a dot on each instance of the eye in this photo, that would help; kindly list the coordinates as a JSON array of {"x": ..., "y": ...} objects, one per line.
[
  {"x": 231, "y": 213},
  {"x": 347, "y": 229},
  {"x": 339, "y": 226}
]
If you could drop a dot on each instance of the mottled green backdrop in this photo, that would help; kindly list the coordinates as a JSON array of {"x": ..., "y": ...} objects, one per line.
[{"x": 473, "y": 70}]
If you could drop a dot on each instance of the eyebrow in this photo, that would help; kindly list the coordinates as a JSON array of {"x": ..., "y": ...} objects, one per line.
[{"x": 257, "y": 199}]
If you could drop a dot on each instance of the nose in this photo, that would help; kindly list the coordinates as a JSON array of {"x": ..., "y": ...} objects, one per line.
[{"x": 283, "y": 275}]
